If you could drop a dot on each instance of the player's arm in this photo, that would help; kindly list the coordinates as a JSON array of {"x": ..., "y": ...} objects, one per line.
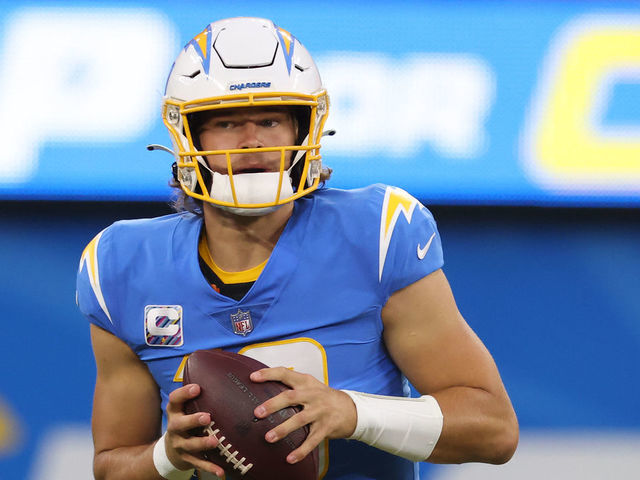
[
  {"x": 439, "y": 353},
  {"x": 126, "y": 420},
  {"x": 464, "y": 415}
]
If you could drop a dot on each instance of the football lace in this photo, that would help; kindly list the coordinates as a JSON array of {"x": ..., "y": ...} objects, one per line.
[{"x": 225, "y": 450}]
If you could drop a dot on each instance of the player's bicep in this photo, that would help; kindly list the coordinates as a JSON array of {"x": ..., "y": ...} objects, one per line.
[
  {"x": 126, "y": 405},
  {"x": 430, "y": 341}
]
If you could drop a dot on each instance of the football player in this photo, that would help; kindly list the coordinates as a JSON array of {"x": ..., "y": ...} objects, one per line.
[{"x": 340, "y": 292}]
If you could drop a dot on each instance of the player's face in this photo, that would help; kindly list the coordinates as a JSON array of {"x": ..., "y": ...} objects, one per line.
[{"x": 249, "y": 127}]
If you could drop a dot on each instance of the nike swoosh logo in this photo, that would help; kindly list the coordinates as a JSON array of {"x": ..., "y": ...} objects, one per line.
[{"x": 422, "y": 252}]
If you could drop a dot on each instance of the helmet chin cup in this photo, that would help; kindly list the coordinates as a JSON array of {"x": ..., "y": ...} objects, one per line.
[
  {"x": 250, "y": 188},
  {"x": 264, "y": 189}
]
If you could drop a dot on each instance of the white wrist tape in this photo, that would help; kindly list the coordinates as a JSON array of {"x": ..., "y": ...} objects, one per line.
[
  {"x": 407, "y": 427},
  {"x": 165, "y": 468}
]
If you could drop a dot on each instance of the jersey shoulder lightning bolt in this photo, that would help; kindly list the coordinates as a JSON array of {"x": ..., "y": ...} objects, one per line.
[{"x": 405, "y": 223}]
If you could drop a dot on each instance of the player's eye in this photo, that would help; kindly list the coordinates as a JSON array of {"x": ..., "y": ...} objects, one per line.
[
  {"x": 269, "y": 122},
  {"x": 224, "y": 124}
]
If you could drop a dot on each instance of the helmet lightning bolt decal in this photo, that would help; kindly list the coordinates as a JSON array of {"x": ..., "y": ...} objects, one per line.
[
  {"x": 287, "y": 41},
  {"x": 202, "y": 45},
  {"x": 396, "y": 201},
  {"x": 89, "y": 259}
]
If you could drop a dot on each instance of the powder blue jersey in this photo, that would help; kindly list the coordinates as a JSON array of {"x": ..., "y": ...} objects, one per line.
[{"x": 315, "y": 307}]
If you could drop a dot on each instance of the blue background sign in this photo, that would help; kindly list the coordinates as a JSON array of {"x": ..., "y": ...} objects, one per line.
[{"x": 458, "y": 102}]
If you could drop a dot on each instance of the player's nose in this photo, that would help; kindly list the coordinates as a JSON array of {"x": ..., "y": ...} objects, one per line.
[{"x": 249, "y": 137}]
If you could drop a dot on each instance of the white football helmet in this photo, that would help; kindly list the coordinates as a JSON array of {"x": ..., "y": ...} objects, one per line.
[{"x": 242, "y": 62}]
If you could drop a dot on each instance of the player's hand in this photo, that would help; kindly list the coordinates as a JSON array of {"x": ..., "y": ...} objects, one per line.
[
  {"x": 330, "y": 413},
  {"x": 183, "y": 449}
]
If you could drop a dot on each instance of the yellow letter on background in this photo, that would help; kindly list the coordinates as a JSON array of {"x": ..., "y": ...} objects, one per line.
[{"x": 564, "y": 145}]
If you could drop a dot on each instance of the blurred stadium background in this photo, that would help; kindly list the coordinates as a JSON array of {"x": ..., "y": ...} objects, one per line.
[{"x": 516, "y": 122}]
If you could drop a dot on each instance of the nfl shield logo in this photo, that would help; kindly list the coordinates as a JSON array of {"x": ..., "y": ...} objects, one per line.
[{"x": 242, "y": 323}]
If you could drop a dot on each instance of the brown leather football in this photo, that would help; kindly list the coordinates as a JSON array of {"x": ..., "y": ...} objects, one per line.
[{"x": 230, "y": 397}]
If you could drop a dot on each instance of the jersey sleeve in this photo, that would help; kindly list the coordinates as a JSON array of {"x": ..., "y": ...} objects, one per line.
[
  {"x": 410, "y": 246},
  {"x": 90, "y": 295}
]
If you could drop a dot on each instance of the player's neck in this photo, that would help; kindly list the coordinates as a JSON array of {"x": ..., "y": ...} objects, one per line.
[{"x": 237, "y": 242}]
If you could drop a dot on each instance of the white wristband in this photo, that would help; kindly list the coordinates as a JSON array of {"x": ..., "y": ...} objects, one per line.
[
  {"x": 163, "y": 465},
  {"x": 407, "y": 427}
]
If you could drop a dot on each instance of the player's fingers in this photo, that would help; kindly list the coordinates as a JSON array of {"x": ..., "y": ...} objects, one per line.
[
  {"x": 284, "y": 399},
  {"x": 183, "y": 423},
  {"x": 292, "y": 424},
  {"x": 178, "y": 446},
  {"x": 196, "y": 445},
  {"x": 279, "y": 374},
  {"x": 181, "y": 395},
  {"x": 202, "y": 464},
  {"x": 304, "y": 389},
  {"x": 312, "y": 441}
]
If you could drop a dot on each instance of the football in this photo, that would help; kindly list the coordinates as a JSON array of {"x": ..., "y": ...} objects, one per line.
[{"x": 230, "y": 397}]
